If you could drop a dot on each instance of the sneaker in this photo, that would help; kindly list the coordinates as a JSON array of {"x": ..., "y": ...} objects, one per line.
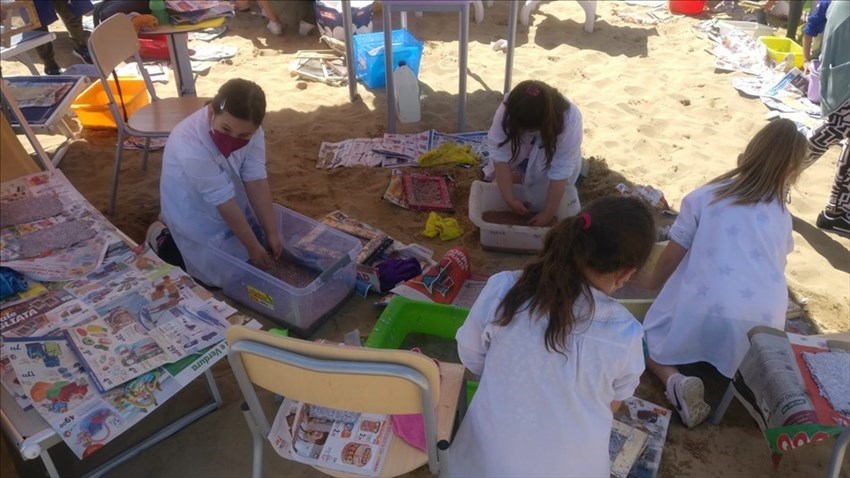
[
  {"x": 275, "y": 28},
  {"x": 83, "y": 54},
  {"x": 52, "y": 70},
  {"x": 829, "y": 223},
  {"x": 155, "y": 231},
  {"x": 686, "y": 394}
]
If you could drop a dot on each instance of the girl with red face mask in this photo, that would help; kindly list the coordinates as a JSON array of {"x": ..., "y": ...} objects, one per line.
[{"x": 214, "y": 181}]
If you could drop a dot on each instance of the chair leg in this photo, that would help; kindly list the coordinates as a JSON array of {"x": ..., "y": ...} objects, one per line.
[
  {"x": 723, "y": 405},
  {"x": 118, "y": 154},
  {"x": 145, "y": 156},
  {"x": 838, "y": 451},
  {"x": 479, "y": 10},
  {"x": 26, "y": 59},
  {"x": 257, "y": 441},
  {"x": 589, "y": 7},
  {"x": 525, "y": 13}
]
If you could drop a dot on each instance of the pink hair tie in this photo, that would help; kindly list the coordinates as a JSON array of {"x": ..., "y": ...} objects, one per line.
[
  {"x": 586, "y": 218},
  {"x": 532, "y": 90}
]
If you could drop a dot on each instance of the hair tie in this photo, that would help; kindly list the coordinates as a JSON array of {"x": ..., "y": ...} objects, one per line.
[
  {"x": 586, "y": 218},
  {"x": 221, "y": 105},
  {"x": 532, "y": 90}
]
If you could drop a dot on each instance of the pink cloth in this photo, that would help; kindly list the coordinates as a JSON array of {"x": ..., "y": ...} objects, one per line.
[{"x": 411, "y": 427}]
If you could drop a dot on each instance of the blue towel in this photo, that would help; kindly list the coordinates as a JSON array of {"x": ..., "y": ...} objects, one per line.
[{"x": 11, "y": 282}]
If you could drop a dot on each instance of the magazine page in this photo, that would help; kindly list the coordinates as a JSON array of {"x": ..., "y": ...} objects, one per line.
[
  {"x": 624, "y": 447},
  {"x": 341, "y": 440},
  {"x": 34, "y": 289},
  {"x": 44, "y": 315},
  {"x": 654, "y": 420},
  {"x": 441, "y": 283},
  {"x": 11, "y": 383}
]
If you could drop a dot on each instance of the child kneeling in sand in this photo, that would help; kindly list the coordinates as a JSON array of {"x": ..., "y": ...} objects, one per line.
[
  {"x": 555, "y": 353},
  {"x": 726, "y": 268},
  {"x": 214, "y": 181},
  {"x": 535, "y": 139}
]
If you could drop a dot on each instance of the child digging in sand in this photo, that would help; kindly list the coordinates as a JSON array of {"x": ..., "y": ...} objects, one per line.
[
  {"x": 556, "y": 354},
  {"x": 535, "y": 140},
  {"x": 723, "y": 271}
]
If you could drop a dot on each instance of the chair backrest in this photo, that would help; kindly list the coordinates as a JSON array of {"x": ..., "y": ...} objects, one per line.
[
  {"x": 348, "y": 378},
  {"x": 14, "y": 159},
  {"x": 112, "y": 42}
]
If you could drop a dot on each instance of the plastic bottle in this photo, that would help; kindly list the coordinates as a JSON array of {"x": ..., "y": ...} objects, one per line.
[
  {"x": 158, "y": 10},
  {"x": 406, "y": 94}
]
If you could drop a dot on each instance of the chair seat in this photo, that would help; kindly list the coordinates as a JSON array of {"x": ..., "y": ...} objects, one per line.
[
  {"x": 161, "y": 116},
  {"x": 403, "y": 458}
]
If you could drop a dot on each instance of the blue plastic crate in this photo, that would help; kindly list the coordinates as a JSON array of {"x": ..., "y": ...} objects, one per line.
[{"x": 369, "y": 56}]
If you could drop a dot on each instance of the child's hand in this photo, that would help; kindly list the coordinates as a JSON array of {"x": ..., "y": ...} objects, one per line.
[
  {"x": 260, "y": 257},
  {"x": 519, "y": 207},
  {"x": 275, "y": 246},
  {"x": 541, "y": 219}
]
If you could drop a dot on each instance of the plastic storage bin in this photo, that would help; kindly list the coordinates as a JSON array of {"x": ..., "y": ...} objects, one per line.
[
  {"x": 780, "y": 47},
  {"x": 92, "y": 106},
  {"x": 754, "y": 29},
  {"x": 369, "y": 57},
  {"x": 687, "y": 7},
  {"x": 307, "y": 241},
  {"x": 499, "y": 237}
]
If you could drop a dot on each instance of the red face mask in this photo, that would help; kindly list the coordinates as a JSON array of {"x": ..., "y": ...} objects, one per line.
[{"x": 225, "y": 143}]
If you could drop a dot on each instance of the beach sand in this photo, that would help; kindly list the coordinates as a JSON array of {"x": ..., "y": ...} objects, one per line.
[{"x": 655, "y": 112}]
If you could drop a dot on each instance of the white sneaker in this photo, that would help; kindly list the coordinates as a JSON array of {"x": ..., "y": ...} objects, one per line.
[
  {"x": 274, "y": 28},
  {"x": 154, "y": 230},
  {"x": 687, "y": 394}
]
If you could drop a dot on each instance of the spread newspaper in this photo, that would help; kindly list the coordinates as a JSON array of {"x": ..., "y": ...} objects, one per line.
[
  {"x": 777, "y": 387},
  {"x": 638, "y": 415},
  {"x": 450, "y": 281},
  {"x": 95, "y": 352},
  {"x": 336, "y": 439}
]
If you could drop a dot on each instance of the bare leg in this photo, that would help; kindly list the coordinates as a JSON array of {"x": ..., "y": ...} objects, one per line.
[{"x": 663, "y": 372}]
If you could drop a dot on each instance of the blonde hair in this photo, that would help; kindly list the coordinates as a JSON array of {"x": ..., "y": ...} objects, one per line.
[{"x": 768, "y": 166}]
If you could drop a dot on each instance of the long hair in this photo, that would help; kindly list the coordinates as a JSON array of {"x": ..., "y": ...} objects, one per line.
[
  {"x": 533, "y": 105},
  {"x": 241, "y": 98},
  {"x": 611, "y": 234},
  {"x": 771, "y": 163}
]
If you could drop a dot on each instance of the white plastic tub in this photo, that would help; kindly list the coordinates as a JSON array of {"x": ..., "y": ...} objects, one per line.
[
  {"x": 297, "y": 308},
  {"x": 637, "y": 300},
  {"x": 485, "y": 196},
  {"x": 753, "y": 29}
]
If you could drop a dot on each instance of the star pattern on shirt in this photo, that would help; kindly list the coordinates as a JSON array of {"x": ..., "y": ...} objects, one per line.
[
  {"x": 732, "y": 230},
  {"x": 715, "y": 310},
  {"x": 756, "y": 254},
  {"x": 762, "y": 218},
  {"x": 767, "y": 316},
  {"x": 776, "y": 277},
  {"x": 703, "y": 290},
  {"x": 711, "y": 252},
  {"x": 725, "y": 270},
  {"x": 715, "y": 212},
  {"x": 747, "y": 293}
]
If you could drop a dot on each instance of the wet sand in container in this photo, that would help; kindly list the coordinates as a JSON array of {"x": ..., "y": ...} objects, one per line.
[
  {"x": 510, "y": 218},
  {"x": 293, "y": 273}
]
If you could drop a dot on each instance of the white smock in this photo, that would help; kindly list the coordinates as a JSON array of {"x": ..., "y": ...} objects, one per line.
[
  {"x": 731, "y": 279},
  {"x": 566, "y": 162},
  {"x": 540, "y": 413},
  {"x": 196, "y": 179}
]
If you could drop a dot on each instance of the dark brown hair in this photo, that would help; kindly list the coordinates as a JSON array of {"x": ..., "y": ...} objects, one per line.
[
  {"x": 241, "y": 98},
  {"x": 771, "y": 162},
  {"x": 534, "y": 105},
  {"x": 610, "y": 234}
]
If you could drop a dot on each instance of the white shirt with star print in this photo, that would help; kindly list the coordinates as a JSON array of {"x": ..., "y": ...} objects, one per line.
[
  {"x": 731, "y": 279},
  {"x": 538, "y": 412}
]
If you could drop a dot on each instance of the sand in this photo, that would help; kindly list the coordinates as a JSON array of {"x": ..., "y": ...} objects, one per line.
[{"x": 655, "y": 112}]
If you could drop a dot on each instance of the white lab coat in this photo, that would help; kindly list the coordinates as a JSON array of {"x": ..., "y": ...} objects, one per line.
[
  {"x": 196, "y": 178},
  {"x": 540, "y": 413},
  {"x": 566, "y": 163},
  {"x": 731, "y": 279}
]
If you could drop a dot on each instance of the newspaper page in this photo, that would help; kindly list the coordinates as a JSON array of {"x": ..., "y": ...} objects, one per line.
[
  {"x": 346, "y": 441},
  {"x": 776, "y": 387},
  {"x": 654, "y": 420},
  {"x": 624, "y": 447}
]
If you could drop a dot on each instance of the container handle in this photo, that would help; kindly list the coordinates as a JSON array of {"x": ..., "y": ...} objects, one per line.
[{"x": 332, "y": 270}]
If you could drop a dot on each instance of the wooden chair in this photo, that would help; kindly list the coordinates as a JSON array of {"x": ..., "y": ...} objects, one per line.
[
  {"x": 110, "y": 44},
  {"x": 14, "y": 159},
  {"x": 347, "y": 378}
]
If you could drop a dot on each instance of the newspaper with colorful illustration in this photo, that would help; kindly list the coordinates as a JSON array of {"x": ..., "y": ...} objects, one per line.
[
  {"x": 653, "y": 420},
  {"x": 450, "y": 281},
  {"x": 351, "y": 442},
  {"x": 59, "y": 264},
  {"x": 778, "y": 388}
]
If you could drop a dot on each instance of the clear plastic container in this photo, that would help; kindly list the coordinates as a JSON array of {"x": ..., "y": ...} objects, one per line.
[
  {"x": 500, "y": 237},
  {"x": 326, "y": 250}
]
